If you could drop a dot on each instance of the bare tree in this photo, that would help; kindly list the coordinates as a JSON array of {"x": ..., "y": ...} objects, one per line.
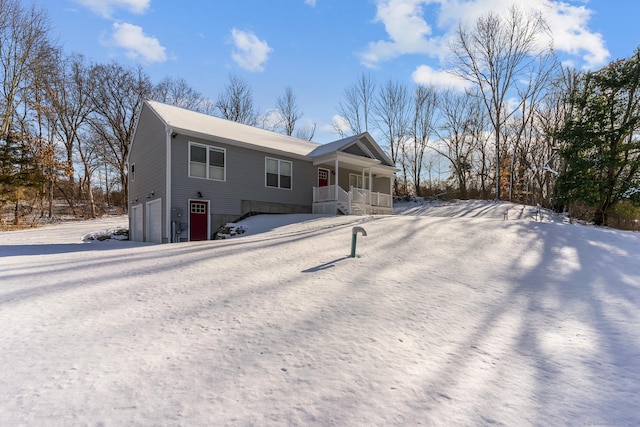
[
  {"x": 392, "y": 117},
  {"x": 424, "y": 103},
  {"x": 288, "y": 111},
  {"x": 70, "y": 95},
  {"x": 235, "y": 103},
  {"x": 24, "y": 42},
  {"x": 551, "y": 114},
  {"x": 117, "y": 97},
  {"x": 357, "y": 105},
  {"x": 306, "y": 132},
  {"x": 176, "y": 91},
  {"x": 457, "y": 134},
  {"x": 494, "y": 55},
  {"x": 27, "y": 158}
]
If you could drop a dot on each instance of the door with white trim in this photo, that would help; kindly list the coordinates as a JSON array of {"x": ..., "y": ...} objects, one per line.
[
  {"x": 198, "y": 220},
  {"x": 323, "y": 177}
]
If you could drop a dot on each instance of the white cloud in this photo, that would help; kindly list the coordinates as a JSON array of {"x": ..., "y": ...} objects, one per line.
[
  {"x": 137, "y": 44},
  {"x": 408, "y": 31},
  {"x": 428, "y": 76},
  {"x": 311, "y": 3},
  {"x": 105, "y": 8},
  {"x": 411, "y": 30},
  {"x": 250, "y": 52},
  {"x": 569, "y": 26}
]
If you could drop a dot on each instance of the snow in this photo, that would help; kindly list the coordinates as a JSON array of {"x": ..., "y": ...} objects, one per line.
[{"x": 448, "y": 315}]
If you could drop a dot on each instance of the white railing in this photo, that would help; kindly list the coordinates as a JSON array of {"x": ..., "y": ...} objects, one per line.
[
  {"x": 356, "y": 199},
  {"x": 359, "y": 200},
  {"x": 343, "y": 196},
  {"x": 324, "y": 194},
  {"x": 382, "y": 200},
  {"x": 359, "y": 195}
]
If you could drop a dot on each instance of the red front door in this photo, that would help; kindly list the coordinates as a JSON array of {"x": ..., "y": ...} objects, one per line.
[
  {"x": 198, "y": 220},
  {"x": 323, "y": 177}
]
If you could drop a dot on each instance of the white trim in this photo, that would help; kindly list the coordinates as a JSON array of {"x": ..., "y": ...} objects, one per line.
[
  {"x": 208, "y": 203},
  {"x": 167, "y": 194},
  {"x": 337, "y": 166}
]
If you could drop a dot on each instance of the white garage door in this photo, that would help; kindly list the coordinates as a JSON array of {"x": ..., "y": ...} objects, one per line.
[
  {"x": 136, "y": 224},
  {"x": 154, "y": 221}
]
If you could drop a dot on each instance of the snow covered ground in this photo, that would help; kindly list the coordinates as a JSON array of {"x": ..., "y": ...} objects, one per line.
[{"x": 449, "y": 315}]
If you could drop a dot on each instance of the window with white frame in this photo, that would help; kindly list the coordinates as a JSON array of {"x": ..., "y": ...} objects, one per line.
[
  {"x": 278, "y": 173},
  {"x": 132, "y": 173},
  {"x": 355, "y": 180},
  {"x": 207, "y": 162}
]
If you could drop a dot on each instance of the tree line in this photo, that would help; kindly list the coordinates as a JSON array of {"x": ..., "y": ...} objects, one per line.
[{"x": 524, "y": 129}]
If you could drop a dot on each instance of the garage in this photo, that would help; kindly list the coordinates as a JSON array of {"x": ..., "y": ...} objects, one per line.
[
  {"x": 154, "y": 221},
  {"x": 136, "y": 233}
]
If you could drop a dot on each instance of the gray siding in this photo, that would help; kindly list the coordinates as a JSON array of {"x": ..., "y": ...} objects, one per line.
[
  {"x": 148, "y": 153},
  {"x": 381, "y": 185},
  {"x": 245, "y": 182}
]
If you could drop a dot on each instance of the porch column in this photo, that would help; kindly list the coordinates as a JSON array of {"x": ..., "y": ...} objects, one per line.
[
  {"x": 370, "y": 184},
  {"x": 336, "y": 183},
  {"x": 391, "y": 186}
]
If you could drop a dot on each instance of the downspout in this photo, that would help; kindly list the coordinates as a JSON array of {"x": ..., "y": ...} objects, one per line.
[{"x": 167, "y": 213}]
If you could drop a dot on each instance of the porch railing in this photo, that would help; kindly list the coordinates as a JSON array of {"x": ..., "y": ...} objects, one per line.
[
  {"x": 382, "y": 200},
  {"x": 357, "y": 197}
]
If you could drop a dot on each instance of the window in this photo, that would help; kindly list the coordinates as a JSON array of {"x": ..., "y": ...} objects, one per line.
[
  {"x": 278, "y": 173},
  {"x": 132, "y": 173},
  {"x": 206, "y": 162},
  {"x": 355, "y": 180},
  {"x": 198, "y": 208}
]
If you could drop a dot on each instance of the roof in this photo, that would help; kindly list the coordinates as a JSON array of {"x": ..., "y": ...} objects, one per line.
[
  {"x": 334, "y": 146},
  {"x": 343, "y": 144},
  {"x": 193, "y": 122}
]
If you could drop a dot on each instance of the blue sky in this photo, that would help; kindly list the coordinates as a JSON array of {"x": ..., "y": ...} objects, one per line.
[{"x": 317, "y": 47}]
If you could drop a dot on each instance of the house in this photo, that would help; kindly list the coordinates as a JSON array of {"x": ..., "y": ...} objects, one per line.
[{"x": 190, "y": 173}]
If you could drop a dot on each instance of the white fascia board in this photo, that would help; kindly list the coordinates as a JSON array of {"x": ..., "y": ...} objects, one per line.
[{"x": 347, "y": 158}]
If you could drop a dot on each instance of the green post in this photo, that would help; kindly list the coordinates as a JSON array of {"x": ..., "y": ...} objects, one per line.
[{"x": 354, "y": 237}]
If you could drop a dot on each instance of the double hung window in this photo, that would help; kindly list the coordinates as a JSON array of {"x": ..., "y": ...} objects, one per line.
[
  {"x": 207, "y": 162},
  {"x": 278, "y": 173}
]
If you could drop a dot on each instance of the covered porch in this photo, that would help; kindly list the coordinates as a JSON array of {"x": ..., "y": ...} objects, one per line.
[{"x": 352, "y": 185}]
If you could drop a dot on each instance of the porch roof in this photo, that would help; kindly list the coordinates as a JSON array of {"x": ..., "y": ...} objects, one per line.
[
  {"x": 355, "y": 162},
  {"x": 341, "y": 145}
]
